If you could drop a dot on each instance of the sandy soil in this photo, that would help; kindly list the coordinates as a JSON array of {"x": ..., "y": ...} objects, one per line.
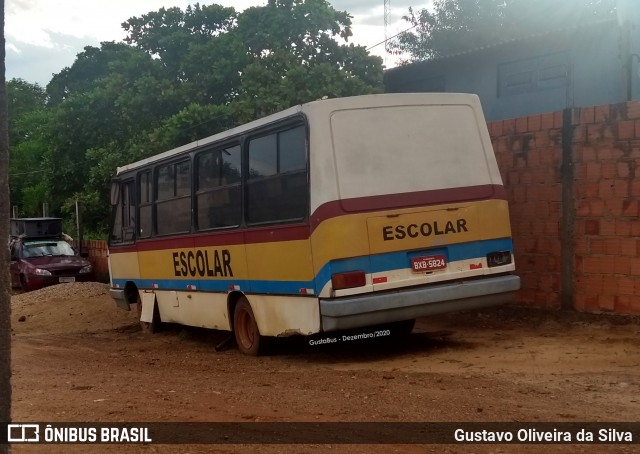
[{"x": 76, "y": 357}]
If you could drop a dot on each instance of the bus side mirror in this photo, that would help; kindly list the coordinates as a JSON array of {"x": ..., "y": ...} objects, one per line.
[{"x": 115, "y": 193}]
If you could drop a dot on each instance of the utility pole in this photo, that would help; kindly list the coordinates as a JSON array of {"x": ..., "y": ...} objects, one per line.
[{"x": 5, "y": 210}]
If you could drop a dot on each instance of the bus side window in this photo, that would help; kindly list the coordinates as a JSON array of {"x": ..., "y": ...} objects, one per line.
[
  {"x": 277, "y": 187},
  {"x": 125, "y": 220},
  {"x": 128, "y": 212},
  {"x": 173, "y": 198},
  {"x": 293, "y": 167},
  {"x": 145, "y": 202},
  {"x": 116, "y": 230},
  {"x": 218, "y": 199}
]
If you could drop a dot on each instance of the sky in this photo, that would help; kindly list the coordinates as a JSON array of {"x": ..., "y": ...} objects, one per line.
[{"x": 44, "y": 36}]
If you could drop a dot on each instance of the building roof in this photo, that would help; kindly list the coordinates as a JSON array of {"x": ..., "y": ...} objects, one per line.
[{"x": 528, "y": 37}]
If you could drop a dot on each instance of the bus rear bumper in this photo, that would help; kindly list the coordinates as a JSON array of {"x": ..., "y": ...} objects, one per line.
[{"x": 412, "y": 302}]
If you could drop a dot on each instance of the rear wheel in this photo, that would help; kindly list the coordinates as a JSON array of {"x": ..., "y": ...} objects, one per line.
[{"x": 245, "y": 329}]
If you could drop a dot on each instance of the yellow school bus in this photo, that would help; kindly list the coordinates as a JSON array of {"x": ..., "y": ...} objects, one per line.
[{"x": 337, "y": 214}]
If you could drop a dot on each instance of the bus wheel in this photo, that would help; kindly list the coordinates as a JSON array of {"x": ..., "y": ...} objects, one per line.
[{"x": 245, "y": 329}]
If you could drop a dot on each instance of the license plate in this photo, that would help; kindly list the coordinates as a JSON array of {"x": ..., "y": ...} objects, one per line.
[
  {"x": 429, "y": 263},
  {"x": 63, "y": 280}
]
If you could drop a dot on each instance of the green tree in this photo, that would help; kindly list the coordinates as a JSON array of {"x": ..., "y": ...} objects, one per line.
[
  {"x": 298, "y": 26},
  {"x": 171, "y": 33},
  {"x": 26, "y": 114},
  {"x": 109, "y": 96},
  {"x": 22, "y": 99},
  {"x": 27, "y": 166},
  {"x": 452, "y": 26},
  {"x": 95, "y": 64},
  {"x": 296, "y": 57}
]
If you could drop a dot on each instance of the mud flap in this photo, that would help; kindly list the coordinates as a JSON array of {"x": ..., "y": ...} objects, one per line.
[{"x": 148, "y": 302}]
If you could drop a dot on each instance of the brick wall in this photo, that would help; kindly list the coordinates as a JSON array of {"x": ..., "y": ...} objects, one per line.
[
  {"x": 529, "y": 154},
  {"x": 607, "y": 153},
  {"x": 97, "y": 250},
  {"x": 575, "y": 205}
]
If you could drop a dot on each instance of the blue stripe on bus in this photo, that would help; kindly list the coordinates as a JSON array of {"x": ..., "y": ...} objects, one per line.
[
  {"x": 220, "y": 285},
  {"x": 370, "y": 264}
]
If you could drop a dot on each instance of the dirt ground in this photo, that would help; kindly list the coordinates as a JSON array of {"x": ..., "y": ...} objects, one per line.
[{"x": 76, "y": 357}]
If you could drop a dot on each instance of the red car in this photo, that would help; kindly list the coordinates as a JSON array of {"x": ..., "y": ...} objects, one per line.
[{"x": 39, "y": 262}]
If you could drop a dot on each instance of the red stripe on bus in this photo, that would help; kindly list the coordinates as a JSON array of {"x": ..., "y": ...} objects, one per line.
[
  {"x": 406, "y": 200},
  {"x": 220, "y": 237},
  {"x": 122, "y": 249},
  {"x": 213, "y": 238},
  {"x": 279, "y": 233}
]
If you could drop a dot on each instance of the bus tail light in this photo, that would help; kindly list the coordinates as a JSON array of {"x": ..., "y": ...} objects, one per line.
[
  {"x": 498, "y": 258},
  {"x": 350, "y": 279}
]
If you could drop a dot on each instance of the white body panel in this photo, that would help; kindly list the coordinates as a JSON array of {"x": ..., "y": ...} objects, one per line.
[
  {"x": 448, "y": 127},
  {"x": 275, "y": 315},
  {"x": 204, "y": 310},
  {"x": 285, "y": 315}
]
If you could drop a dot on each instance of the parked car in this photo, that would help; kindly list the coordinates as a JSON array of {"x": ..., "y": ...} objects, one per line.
[{"x": 41, "y": 260}]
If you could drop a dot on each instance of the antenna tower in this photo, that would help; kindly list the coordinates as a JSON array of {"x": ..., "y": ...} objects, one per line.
[{"x": 387, "y": 9}]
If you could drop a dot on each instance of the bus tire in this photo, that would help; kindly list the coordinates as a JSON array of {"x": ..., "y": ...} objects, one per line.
[{"x": 245, "y": 329}]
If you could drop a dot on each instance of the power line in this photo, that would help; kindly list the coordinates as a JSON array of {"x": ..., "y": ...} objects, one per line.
[
  {"x": 391, "y": 37},
  {"x": 74, "y": 165},
  {"x": 26, "y": 173}
]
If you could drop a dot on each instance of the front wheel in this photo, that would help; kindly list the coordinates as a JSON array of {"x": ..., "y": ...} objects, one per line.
[{"x": 245, "y": 329}]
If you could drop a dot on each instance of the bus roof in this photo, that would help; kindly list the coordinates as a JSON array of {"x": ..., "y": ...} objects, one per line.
[{"x": 326, "y": 105}]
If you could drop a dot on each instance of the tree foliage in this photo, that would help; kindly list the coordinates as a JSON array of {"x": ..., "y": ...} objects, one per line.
[
  {"x": 452, "y": 26},
  {"x": 27, "y": 118},
  {"x": 177, "y": 77},
  {"x": 22, "y": 99}
]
